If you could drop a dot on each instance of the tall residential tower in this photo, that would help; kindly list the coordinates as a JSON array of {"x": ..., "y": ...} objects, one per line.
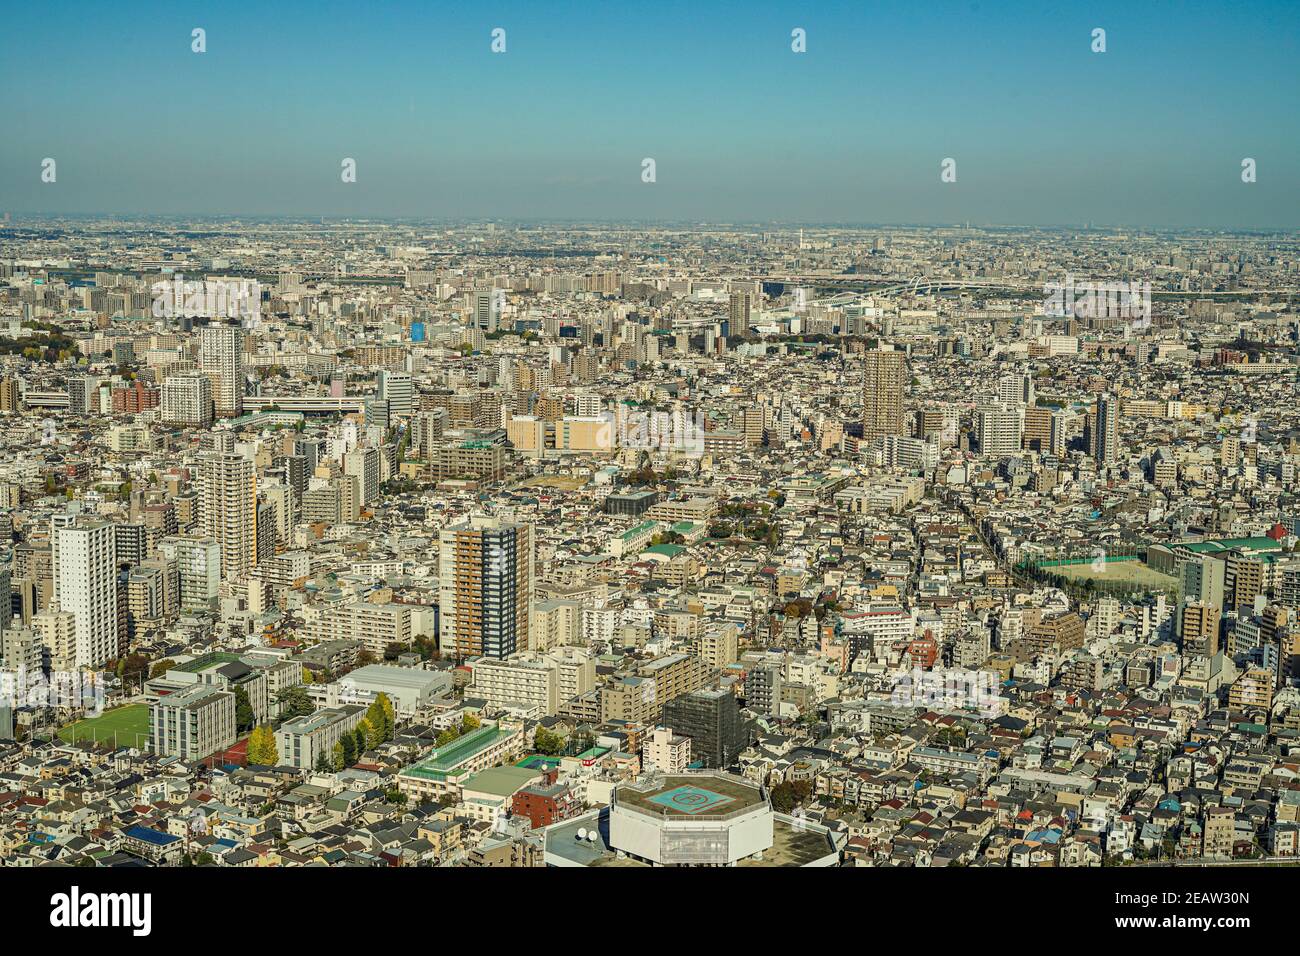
[
  {"x": 882, "y": 394},
  {"x": 485, "y": 587}
]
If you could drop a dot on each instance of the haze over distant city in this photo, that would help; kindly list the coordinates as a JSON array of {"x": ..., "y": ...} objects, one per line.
[{"x": 1043, "y": 130}]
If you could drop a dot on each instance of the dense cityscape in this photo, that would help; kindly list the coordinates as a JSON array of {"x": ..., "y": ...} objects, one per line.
[
  {"x": 350, "y": 542},
  {"x": 690, "y": 441}
]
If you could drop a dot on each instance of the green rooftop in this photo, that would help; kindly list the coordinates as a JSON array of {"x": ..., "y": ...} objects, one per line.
[
  {"x": 443, "y": 761},
  {"x": 501, "y": 781},
  {"x": 1262, "y": 543},
  {"x": 669, "y": 551},
  {"x": 642, "y": 528}
]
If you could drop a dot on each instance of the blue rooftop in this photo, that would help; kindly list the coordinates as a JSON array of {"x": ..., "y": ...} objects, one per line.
[{"x": 150, "y": 835}]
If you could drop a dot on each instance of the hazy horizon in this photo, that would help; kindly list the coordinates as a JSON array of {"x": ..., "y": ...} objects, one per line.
[{"x": 1045, "y": 133}]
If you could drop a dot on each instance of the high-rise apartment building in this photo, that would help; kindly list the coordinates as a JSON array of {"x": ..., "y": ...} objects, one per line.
[
  {"x": 1000, "y": 429},
  {"x": 221, "y": 357},
  {"x": 738, "y": 308},
  {"x": 187, "y": 400},
  {"x": 1106, "y": 438},
  {"x": 227, "y": 486},
  {"x": 485, "y": 587},
  {"x": 1202, "y": 578},
  {"x": 85, "y": 585},
  {"x": 1016, "y": 389},
  {"x": 1198, "y": 628},
  {"x": 198, "y": 568},
  {"x": 10, "y": 394},
  {"x": 363, "y": 464},
  {"x": 882, "y": 394}
]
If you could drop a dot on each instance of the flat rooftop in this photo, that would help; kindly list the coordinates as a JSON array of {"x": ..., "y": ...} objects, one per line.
[
  {"x": 701, "y": 795},
  {"x": 562, "y": 841},
  {"x": 409, "y": 677},
  {"x": 501, "y": 781},
  {"x": 444, "y": 760},
  {"x": 309, "y": 723},
  {"x": 791, "y": 845},
  {"x": 214, "y": 659}
]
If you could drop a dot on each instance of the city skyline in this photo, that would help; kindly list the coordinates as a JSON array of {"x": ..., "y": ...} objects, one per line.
[{"x": 681, "y": 437}]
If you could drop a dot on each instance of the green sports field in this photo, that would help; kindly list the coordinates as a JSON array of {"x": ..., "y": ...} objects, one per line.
[
  {"x": 1134, "y": 573},
  {"x": 126, "y": 722}
]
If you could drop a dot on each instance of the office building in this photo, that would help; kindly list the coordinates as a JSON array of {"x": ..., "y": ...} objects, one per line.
[{"x": 397, "y": 389}]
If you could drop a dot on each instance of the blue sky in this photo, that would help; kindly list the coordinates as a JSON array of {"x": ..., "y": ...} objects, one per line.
[{"x": 1150, "y": 133}]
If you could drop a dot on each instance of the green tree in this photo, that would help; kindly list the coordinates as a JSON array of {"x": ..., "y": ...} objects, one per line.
[
  {"x": 349, "y": 745},
  {"x": 340, "y": 756},
  {"x": 295, "y": 702},
  {"x": 161, "y": 667},
  {"x": 361, "y": 738},
  {"x": 379, "y": 721},
  {"x": 788, "y": 795},
  {"x": 374, "y": 732},
  {"x": 548, "y": 742},
  {"x": 244, "y": 718},
  {"x": 132, "y": 668},
  {"x": 323, "y": 763}
]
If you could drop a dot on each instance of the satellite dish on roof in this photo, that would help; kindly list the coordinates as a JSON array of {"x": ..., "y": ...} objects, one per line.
[
  {"x": 582, "y": 833},
  {"x": 591, "y": 836}
]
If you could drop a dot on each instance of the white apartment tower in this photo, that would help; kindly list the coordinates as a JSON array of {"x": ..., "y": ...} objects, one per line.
[
  {"x": 221, "y": 357},
  {"x": 187, "y": 400},
  {"x": 1000, "y": 429},
  {"x": 227, "y": 486},
  {"x": 86, "y": 587}
]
